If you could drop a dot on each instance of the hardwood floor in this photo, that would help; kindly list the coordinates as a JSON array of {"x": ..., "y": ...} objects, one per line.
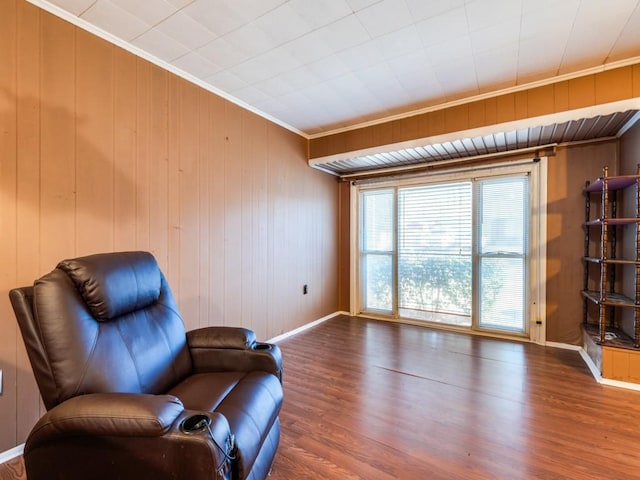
[
  {"x": 375, "y": 400},
  {"x": 13, "y": 470}
]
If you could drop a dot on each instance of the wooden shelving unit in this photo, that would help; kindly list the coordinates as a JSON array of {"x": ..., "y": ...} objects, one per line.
[{"x": 609, "y": 225}]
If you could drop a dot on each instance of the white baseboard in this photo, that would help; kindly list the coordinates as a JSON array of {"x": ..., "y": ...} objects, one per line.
[
  {"x": 594, "y": 369},
  {"x": 619, "y": 384},
  {"x": 11, "y": 453},
  {"x": 305, "y": 327},
  {"x": 606, "y": 381},
  {"x": 565, "y": 346},
  {"x": 592, "y": 366}
]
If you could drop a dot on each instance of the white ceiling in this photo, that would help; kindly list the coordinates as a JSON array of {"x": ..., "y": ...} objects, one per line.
[{"x": 323, "y": 65}]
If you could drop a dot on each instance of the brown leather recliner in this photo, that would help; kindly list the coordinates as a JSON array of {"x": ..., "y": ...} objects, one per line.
[{"x": 131, "y": 395}]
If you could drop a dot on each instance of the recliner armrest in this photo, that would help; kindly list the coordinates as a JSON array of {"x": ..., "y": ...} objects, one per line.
[
  {"x": 112, "y": 414},
  {"x": 125, "y": 435},
  {"x": 221, "y": 337},
  {"x": 227, "y": 349}
]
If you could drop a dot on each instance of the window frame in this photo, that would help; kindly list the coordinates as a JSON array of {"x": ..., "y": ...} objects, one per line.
[{"x": 536, "y": 168}]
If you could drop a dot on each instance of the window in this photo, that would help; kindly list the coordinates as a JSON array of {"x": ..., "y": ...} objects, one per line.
[
  {"x": 453, "y": 251},
  {"x": 434, "y": 252},
  {"x": 503, "y": 232}
]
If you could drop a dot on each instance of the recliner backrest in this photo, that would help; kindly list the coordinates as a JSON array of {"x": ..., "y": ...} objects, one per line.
[{"x": 105, "y": 323}]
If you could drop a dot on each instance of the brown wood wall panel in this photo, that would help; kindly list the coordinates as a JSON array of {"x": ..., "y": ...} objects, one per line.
[
  {"x": 582, "y": 92},
  {"x": 540, "y": 100},
  {"x": 477, "y": 114},
  {"x": 613, "y": 85},
  {"x": 124, "y": 151},
  {"x": 57, "y": 141},
  {"x": 567, "y": 173},
  {"x": 28, "y": 191},
  {"x": 505, "y": 108},
  {"x": 560, "y": 97},
  {"x": 491, "y": 110},
  {"x": 94, "y": 144},
  {"x": 344, "y": 262},
  {"x": 102, "y": 151},
  {"x": 8, "y": 210}
]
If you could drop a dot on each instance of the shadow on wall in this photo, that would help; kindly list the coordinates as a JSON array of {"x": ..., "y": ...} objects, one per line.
[
  {"x": 567, "y": 173},
  {"x": 61, "y": 195}
]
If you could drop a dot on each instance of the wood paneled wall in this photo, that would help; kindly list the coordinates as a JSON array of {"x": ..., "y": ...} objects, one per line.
[
  {"x": 103, "y": 151},
  {"x": 566, "y": 176}
]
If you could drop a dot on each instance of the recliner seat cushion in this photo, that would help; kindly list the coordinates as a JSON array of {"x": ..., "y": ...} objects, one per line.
[{"x": 249, "y": 401}]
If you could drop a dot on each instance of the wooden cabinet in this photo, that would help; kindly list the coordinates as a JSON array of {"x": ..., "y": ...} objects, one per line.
[{"x": 612, "y": 260}]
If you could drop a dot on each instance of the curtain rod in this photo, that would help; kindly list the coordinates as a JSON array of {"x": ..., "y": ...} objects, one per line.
[{"x": 385, "y": 173}]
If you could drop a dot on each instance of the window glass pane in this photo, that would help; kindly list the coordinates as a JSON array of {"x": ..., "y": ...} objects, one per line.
[
  {"x": 435, "y": 219},
  {"x": 377, "y": 221},
  {"x": 435, "y": 283},
  {"x": 503, "y": 232},
  {"x": 434, "y": 249},
  {"x": 502, "y": 215},
  {"x": 378, "y": 280},
  {"x": 502, "y": 293}
]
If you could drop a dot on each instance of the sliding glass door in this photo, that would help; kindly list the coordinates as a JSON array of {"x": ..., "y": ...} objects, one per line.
[
  {"x": 502, "y": 247},
  {"x": 453, "y": 252}
]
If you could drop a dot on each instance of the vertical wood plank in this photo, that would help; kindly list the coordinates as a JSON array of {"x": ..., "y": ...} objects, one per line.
[
  {"x": 247, "y": 172},
  {"x": 456, "y": 118},
  {"x": 319, "y": 147},
  {"x": 614, "y": 85},
  {"x": 124, "y": 151},
  {"x": 157, "y": 165},
  {"x": 505, "y": 108},
  {"x": 540, "y": 101},
  {"x": 338, "y": 142},
  {"x": 28, "y": 193},
  {"x": 233, "y": 214},
  {"x": 276, "y": 237},
  {"x": 188, "y": 201},
  {"x": 143, "y": 146},
  {"x": 561, "y": 96},
  {"x": 477, "y": 114},
  {"x": 205, "y": 154},
  {"x": 436, "y": 122},
  {"x": 344, "y": 249},
  {"x": 94, "y": 145},
  {"x": 173, "y": 184},
  {"x": 582, "y": 92},
  {"x": 8, "y": 219},
  {"x": 521, "y": 105},
  {"x": 217, "y": 202},
  {"x": 491, "y": 110},
  {"x": 359, "y": 138},
  {"x": 405, "y": 129},
  {"x": 636, "y": 80},
  {"x": 381, "y": 134},
  {"x": 260, "y": 222},
  {"x": 216, "y": 183},
  {"x": 57, "y": 142}
]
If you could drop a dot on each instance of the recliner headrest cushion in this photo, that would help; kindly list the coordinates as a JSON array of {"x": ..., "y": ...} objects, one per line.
[{"x": 113, "y": 284}]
